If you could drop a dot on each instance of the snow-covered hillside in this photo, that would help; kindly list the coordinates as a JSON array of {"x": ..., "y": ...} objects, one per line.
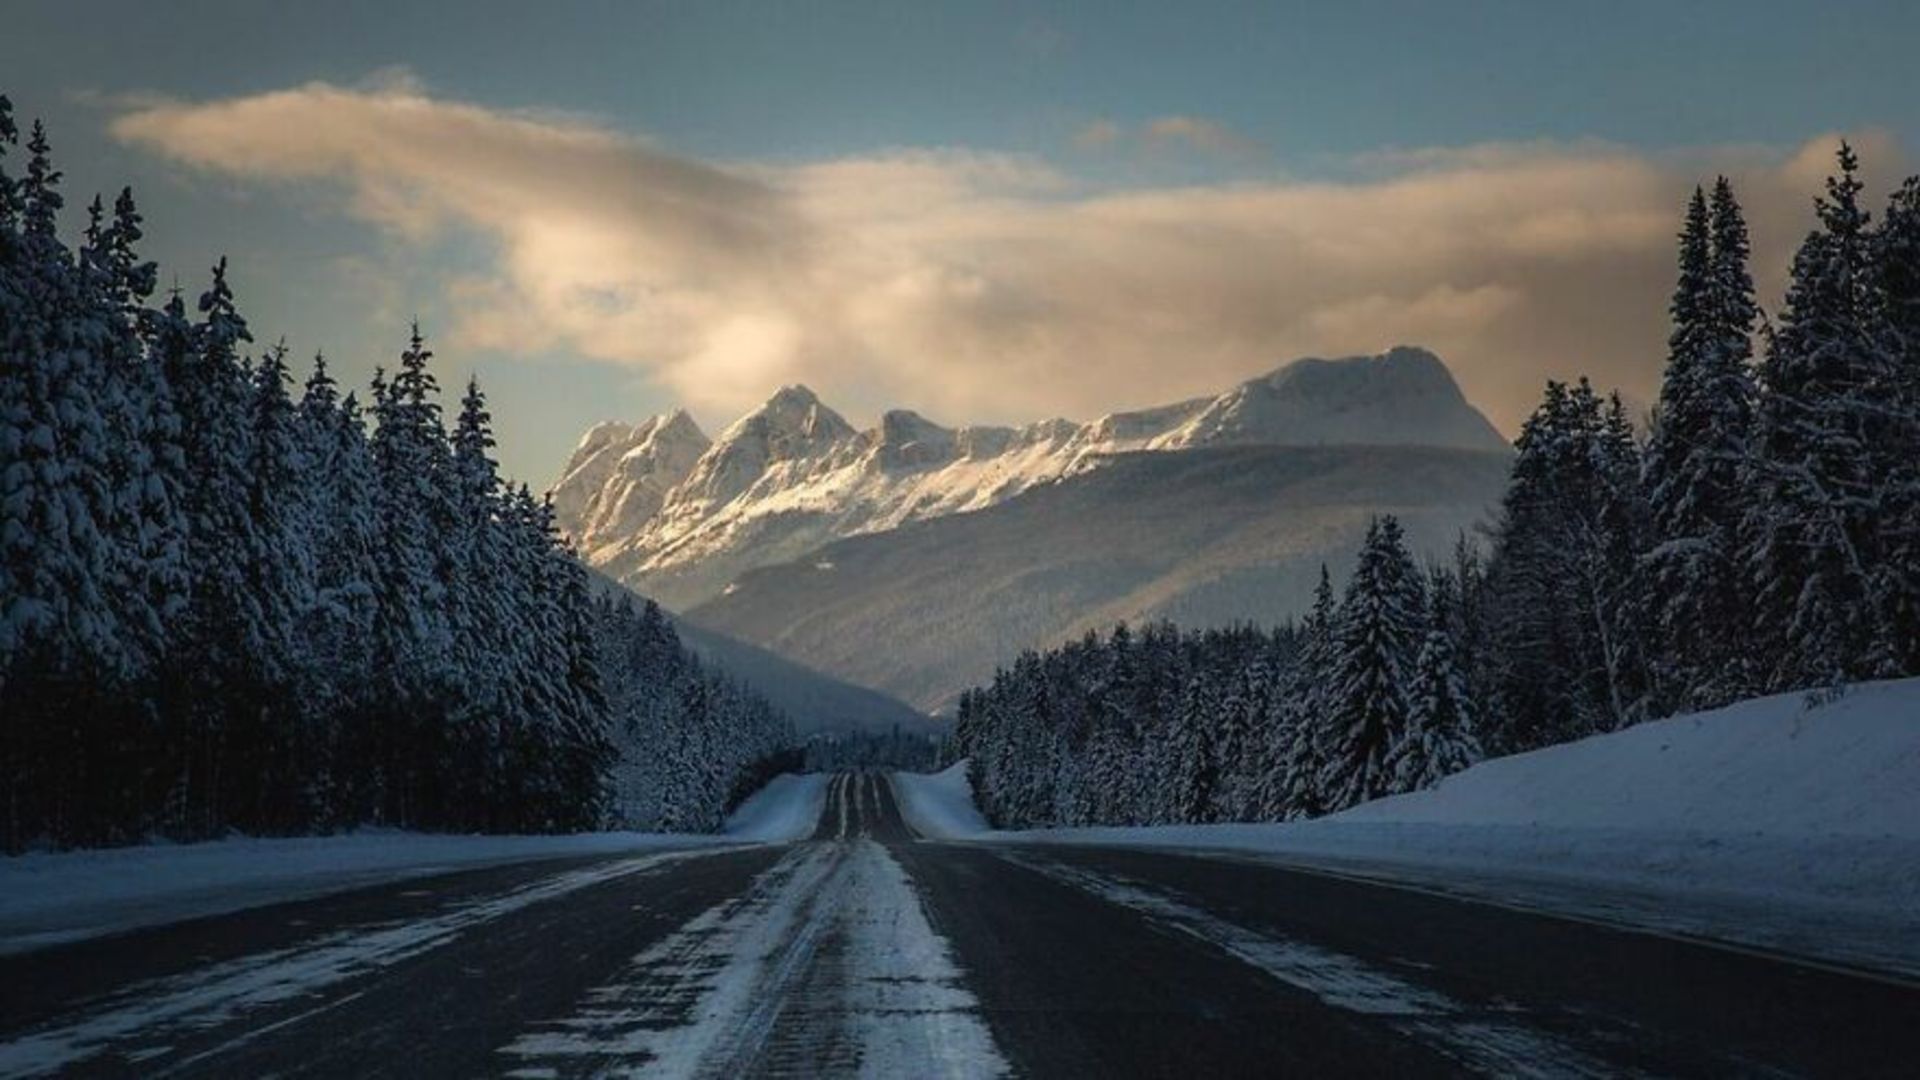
[
  {"x": 1770, "y": 822},
  {"x": 663, "y": 510}
]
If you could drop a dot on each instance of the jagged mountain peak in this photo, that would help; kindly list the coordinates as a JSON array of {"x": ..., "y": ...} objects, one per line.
[
  {"x": 598, "y": 437},
  {"x": 905, "y": 425},
  {"x": 678, "y": 426},
  {"x": 793, "y": 420},
  {"x": 622, "y": 473},
  {"x": 794, "y": 474}
]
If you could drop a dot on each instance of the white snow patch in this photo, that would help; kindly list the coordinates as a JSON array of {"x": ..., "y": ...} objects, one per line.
[
  {"x": 939, "y": 806},
  {"x": 788, "y": 808},
  {"x": 146, "y": 1017}
]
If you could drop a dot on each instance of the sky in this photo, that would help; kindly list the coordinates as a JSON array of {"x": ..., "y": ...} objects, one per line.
[{"x": 987, "y": 212}]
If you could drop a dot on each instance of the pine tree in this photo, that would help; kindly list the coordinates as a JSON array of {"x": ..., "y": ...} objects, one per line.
[
  {"x": 1694, "y": 458},
  {"x": 1439, "y": 739},
  {"x": 147, "y": 576},
  {"x": 1823, "y": 431},
  {"x": 221, "y": 610},
  {"x": 1564, "y": 599},
  {"x": 280, "y": 570},
  {"x": 1374, "y": 645},
  {"x": 59, "y": 615},
  {"x": 481, "y": 624},
  {"x": 1309, "y": 716},
  {"x": 1898, "y": 579},
  {"x": 412, "y": 630},
  {"x": 1196, "y": 767}
]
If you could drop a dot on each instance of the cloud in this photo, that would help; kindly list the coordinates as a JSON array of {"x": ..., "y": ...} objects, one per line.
[
  {"x": 1195, "y": 133},
  {"x": 986, "y": 286},
  {"x": 1167, "y": 135},
  {"x": 1097, "y": 135}
]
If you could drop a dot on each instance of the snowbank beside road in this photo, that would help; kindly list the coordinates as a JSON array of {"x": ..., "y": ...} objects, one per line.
[
  {"x": 940, "y": 804},
  {"x": 1767, "y": 767},
  {"x": 1767, "y": 822},
  {"x": 788, "y": 808},
  {"x": 46, "y": 899}
]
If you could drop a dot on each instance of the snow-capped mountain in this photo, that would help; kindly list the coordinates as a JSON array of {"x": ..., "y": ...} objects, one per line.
[
  {"x": 679, "y": 518},
  {"x": 620, "y": 475}
]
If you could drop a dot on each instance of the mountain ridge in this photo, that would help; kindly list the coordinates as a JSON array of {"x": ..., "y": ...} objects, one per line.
[{"x": 794, "y": 474}]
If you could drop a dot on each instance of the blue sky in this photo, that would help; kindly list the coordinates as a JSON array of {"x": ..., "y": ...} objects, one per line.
[{"x": 979, "y": 185}]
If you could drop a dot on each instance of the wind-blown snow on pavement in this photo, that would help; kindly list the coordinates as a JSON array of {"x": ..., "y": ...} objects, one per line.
[
  {"x": 827, "y": 966},
  {"x": 221, "y": 993}
]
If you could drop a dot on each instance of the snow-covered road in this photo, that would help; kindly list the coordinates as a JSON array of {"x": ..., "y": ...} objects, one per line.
[
  {"x": 860, "y": 949},
  {"x": 825, "y": 965}
]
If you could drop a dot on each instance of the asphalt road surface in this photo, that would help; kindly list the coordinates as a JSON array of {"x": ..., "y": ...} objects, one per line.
[{"x": 864, "y": 951}]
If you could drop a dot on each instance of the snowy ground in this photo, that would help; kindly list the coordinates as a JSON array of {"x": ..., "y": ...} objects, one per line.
[
  {"x": 1766, "y": 823},
  {"x": 50, "y": 898},
  {"x": 786, "y": 809},
  {"x": 940, "y": 804}
]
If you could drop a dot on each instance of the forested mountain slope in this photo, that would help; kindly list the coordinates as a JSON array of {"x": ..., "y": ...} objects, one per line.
[{"x": 811, "y": 701}]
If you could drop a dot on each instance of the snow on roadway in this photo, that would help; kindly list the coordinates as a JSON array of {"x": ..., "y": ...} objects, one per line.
[
  {"x": 1495, "y": 1044},
  {"x": 1770, "y": 822},
  {"x": 145, "y": 1018},
  {"x": 827, "y": 965},
  {"x": 46, "y": 899}
]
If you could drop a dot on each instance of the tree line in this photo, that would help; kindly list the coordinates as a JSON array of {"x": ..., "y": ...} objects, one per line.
[
  {"x": 227, "y": 606},
  {"x": 1762, "y": 535}
]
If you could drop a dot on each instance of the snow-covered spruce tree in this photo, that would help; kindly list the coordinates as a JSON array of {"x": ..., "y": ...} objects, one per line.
[
  {"x": 1470, "y": 630},
  {"x": 1563, "y": 598},
  {"x": 148, "y": 576},
  {"x": 1374, "y": 647},
  {"x": 479, "y": 607},
  {"x": 60, "y": 620},
  {"x": 1294, "y": 788},
  {"x": 1611, "y": 576},
  {"x": 1196, "y": 768},
  {"x": 1825, "y": 431},
  {"x": 1248, "y": 716},
  {"x": 1439, "y": 738},
  {"x": 1697, "y": 449},
  {"x": 273, "y": 746},
  {"x": 580, "y": 748},
  {"x": 338, "y": 478},
  {"x": 1898, "y": 580},
  {"x": 415, "y": 676},
  {"x": 201, "y": 580}
]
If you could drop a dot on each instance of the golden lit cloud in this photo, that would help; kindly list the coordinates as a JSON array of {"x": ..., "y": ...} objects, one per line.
[{"x": 974, "y": 285}]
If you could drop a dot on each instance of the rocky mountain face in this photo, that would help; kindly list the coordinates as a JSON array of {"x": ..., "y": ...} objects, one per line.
[
  {"x": 1205, "y": 537},
  {"x": 677, "y": 517}
]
